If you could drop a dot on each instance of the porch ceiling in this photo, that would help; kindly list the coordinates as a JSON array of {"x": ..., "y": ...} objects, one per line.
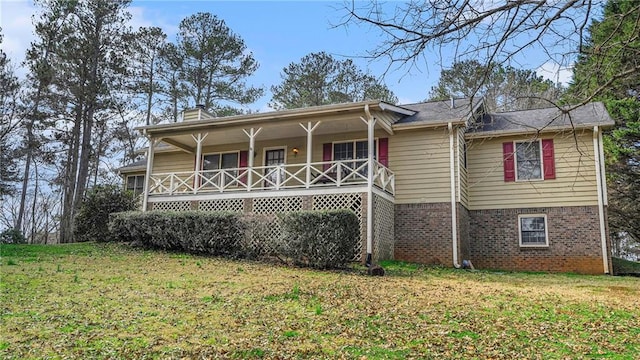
[{"x": 217, "y": 135}]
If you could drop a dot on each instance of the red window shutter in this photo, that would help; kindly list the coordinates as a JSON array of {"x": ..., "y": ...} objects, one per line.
[
  {"x": 326, "y": 155},
  {"x": 548, "y": 159},
  {"x": 244, "y": 158},
  {"x": 509, "y": 162},
  {"x": 383, "y": 151}
]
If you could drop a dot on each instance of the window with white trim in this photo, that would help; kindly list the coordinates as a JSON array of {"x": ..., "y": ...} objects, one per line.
[
  {"x": 135, "y": 183},
  {"x": 528, "y": 160},
  {"x": 533, "y": 230},
  {"x": 354, "y": 150},
  {"x": 220, "y": 161}
]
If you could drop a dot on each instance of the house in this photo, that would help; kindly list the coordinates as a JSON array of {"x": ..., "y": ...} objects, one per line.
[{"x": 433, "y": 182}]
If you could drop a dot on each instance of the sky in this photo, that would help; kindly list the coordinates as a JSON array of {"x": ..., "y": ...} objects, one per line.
[{"x": 276, "y": 32}]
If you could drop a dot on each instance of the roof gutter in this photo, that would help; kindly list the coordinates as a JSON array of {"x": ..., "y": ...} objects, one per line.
[
  {"x": 499, "y": 133},
  {"x": 427, "y": 124}
]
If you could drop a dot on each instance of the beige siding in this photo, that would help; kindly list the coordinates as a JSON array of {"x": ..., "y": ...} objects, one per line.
[
  {"x": 420, "y": 160},
  {"x": 190, "y": 115},
  {"x": 463, "y": 197},
  {"x": 575, "y": 183},
  {"x": 173, "y": 162}
]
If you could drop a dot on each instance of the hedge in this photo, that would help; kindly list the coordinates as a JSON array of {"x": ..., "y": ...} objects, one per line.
[
  {"x": 212, "y": 233},
  {"x": 319, "y": 239}
]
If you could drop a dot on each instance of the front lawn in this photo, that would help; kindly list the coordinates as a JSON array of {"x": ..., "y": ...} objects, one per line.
[{"x": 91, "y": 301}]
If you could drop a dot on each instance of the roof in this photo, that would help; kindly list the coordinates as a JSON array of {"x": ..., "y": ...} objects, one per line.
[
  {"x": 140, "y": 165},
  {"x": 272, "y": 116},
  {"x": 538, "y": 120},
  {"x": 441, "y": 111}
]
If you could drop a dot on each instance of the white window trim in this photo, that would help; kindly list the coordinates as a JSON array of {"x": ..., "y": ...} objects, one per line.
[
  {"x": 220, "y": 153},
  {"x": 546, "y": 231},
  {"x": 515, "y": 159},
  {"x": 126, "y": 183},
  {"x": 354, "y": 141},
  {"x": 265, "y": 149}
]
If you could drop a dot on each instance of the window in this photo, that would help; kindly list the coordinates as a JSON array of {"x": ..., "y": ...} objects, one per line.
[
  {"x": 533, "y": 230},
  {"x": 528, "y": 164},
  {"x": 354, "y": 150},
  {"x": 220, "y": 161},
  {"x": 135, "y": 183},
  {"x": 529, "y": 160}
]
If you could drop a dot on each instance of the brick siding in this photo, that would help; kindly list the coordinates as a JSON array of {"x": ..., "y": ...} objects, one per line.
[
  {"x": 490, "y": 238},
  {"x": 574, "y": 241},
  {"x": 463, "y": 233},
  {"x": 423, "y": 233}
]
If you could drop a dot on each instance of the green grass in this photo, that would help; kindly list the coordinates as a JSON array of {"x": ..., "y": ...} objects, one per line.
[
  {"x": 102, "y": 301},
  {"x": 621, "y": 266}
]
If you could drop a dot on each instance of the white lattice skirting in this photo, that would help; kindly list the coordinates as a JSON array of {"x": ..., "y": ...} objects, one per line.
[{"x": 268, "y": 207}]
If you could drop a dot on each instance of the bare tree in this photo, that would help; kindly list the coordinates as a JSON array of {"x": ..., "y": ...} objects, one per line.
[{"x": 418, "y": 33}]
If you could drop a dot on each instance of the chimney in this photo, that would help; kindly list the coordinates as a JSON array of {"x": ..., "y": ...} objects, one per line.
[
  {"x": 200, "y": 106},
  {"x": 453, "y": 102}
]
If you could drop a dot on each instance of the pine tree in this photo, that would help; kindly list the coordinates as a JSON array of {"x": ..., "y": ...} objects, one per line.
[{"x": 320, "y": 79}]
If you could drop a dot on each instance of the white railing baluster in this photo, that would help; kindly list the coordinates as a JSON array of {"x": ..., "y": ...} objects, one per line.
[{"x": 337, "y": 173}]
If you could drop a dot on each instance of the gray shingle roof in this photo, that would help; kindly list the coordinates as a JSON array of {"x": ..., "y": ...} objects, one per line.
[
  {"x": 134, "y": 166},
  {"x": 526, "y": 121},
  {"x": 439, "y": 111}
]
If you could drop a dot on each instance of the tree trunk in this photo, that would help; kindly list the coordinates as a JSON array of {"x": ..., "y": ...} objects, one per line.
[
  {"x": 25, "y": 180},
  {"x": 33, "y": 206},
  {"x": 69, "y": 186},
  {"x": 83, "y": 168}
]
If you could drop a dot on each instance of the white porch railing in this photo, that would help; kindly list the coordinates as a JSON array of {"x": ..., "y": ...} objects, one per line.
[{"x": 290, "y": 176}]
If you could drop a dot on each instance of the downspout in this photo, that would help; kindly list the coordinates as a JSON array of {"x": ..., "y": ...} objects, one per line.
[
  {"x": 370, "y": 145},
  {"x": 454, "y": 220},
  {"x": 603, "y": 234}
]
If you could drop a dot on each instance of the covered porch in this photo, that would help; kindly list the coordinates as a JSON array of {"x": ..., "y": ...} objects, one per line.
[{"x": 329, "y": 157}]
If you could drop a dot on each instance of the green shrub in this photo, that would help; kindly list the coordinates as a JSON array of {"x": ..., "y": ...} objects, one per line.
[
  {"x": 319, "y": 239},
  {"x": 191, "y": 231},
  {"x": 12, "y": 236},
  {"x": 92, "y": 219},
  {"x": 258, "y": 242}
]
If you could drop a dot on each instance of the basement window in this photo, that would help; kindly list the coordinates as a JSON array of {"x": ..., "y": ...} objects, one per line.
[{"x": 533, "y": 230}]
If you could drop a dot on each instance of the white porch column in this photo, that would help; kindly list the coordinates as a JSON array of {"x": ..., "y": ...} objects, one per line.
[
  {"x": 371, "y": 122},
  {"x": 309, "y": 129},
  {"x": 147, "y": 175},
  {"x": 252, "y": 133},
  {"x": 199, "y": 139}
]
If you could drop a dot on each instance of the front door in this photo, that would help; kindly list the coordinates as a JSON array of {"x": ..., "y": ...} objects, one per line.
[{"x": 273, "y": 158}]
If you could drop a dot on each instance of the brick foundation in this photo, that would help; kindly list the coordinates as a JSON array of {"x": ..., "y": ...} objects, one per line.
[
  {"x": 574, "y": 241},
  {"x": 463, "y": 232},
  {"x": 490, "y": 239},
  {"x": 423, "y": 233}
]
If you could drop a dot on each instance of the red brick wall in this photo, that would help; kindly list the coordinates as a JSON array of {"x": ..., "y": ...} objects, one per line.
[
  {"x": 463, "y": 233},
  {"x": 574, "y": 241},
  {"x": 423, "y": 233}
]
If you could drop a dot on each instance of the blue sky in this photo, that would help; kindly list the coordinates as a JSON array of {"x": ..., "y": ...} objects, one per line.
[{"x": 277, "y": 33}]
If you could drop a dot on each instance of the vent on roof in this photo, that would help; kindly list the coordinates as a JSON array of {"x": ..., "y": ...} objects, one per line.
[{"x": 200, "y": 106}]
